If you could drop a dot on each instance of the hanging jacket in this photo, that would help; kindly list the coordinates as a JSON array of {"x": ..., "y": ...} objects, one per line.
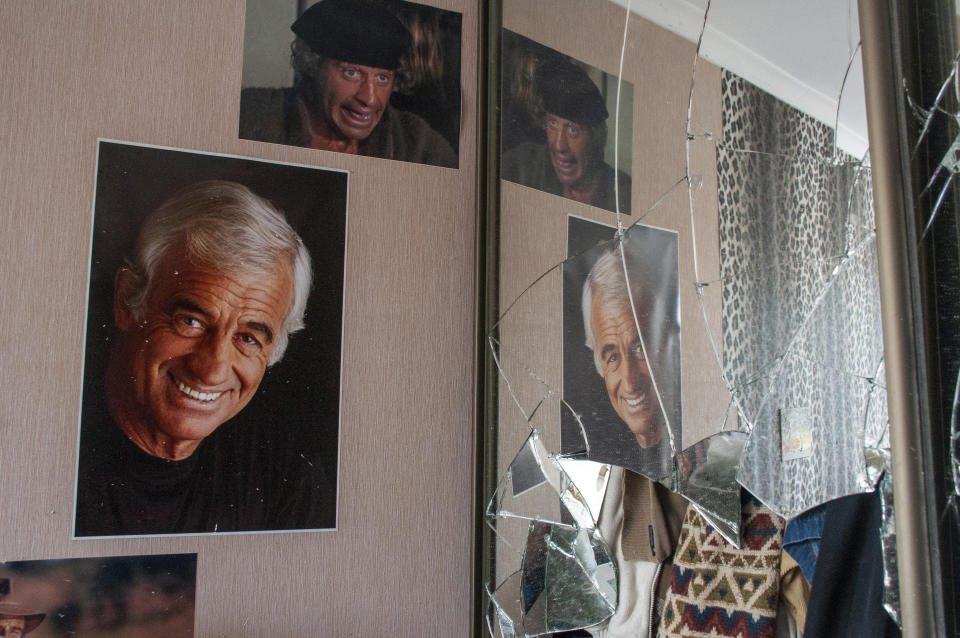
[{"x": 640, "y": 520}]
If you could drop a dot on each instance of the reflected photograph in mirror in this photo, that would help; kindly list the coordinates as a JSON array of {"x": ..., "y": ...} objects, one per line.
[
  {"x": 623, "y": 384},
  {"x": 559, "y": 126}
]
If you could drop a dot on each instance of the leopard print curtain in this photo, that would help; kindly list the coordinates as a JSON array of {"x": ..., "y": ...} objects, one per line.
[{"x": 802, "y": 343}]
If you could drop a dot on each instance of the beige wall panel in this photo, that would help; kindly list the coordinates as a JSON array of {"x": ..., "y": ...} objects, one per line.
[
  {"x": 168, "y": 73},
  {"x": 534, "y": 224}
]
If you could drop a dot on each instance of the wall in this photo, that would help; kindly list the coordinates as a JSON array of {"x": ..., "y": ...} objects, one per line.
[{"x": 168, "y": 73}]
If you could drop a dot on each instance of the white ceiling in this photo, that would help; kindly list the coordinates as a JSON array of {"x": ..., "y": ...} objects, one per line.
[{"x": 797, "y": 50}]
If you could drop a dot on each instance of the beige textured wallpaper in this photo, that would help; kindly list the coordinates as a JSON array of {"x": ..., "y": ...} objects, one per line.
[
  {"x": 534, "y": 224},
  {"x": 168, "y": 73}
]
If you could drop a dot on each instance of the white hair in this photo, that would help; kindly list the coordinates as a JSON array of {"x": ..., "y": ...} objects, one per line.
[
  {"x": 608, "y": 285},
  {"x": 226, "y": 226}
]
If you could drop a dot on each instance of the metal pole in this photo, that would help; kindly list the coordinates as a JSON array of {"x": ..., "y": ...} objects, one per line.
[
  {"x": 905, "y": 337},
  {"x": 488, "y": 306}
]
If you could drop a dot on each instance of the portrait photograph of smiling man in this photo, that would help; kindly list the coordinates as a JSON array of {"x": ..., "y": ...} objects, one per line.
[
  {"x": 621, "y": 360},
  {"x": 211, "y": 290},
  {"x": 379, "y": 78}
]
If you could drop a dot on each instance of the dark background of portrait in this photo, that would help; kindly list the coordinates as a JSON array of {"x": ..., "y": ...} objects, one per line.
[
  {"x": 583, "y": 388},
  {"x": 299, "y": 397},
  {"x": 521, "y": 118},
  {"x": 137, "y": 596},
  {"x": 434, "y": 96}
]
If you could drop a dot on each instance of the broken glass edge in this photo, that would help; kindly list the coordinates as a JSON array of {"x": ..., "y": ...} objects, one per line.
[
  {"x": 888, "y": 548},
  {"x": 577, "y": 558},
  {"x": 818, "y": 300},
  {"x": 688, "y": 179}
]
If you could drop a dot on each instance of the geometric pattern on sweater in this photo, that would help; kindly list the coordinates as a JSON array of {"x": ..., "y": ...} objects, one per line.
[{"x": 717, "y": 589}]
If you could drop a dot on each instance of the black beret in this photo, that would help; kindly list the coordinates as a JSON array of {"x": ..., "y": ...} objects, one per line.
[
  {"x": 568, "y": 92},
  {"x": 356, "y": 31}
]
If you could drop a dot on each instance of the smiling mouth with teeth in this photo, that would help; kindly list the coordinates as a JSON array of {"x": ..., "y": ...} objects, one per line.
[
  {"x": 199, "y": 396},
  {"x": 357, "y": 115},
  {"x": 638, "y": 401}
]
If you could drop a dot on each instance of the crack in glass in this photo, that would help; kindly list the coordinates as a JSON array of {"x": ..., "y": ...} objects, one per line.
[
  {"x": 955, "y": 447},
  {"x": 706, "y": 475},
  {"x": 813, "y": 260},
  {"x": 949, "y": 165},
  {"x": 888, "y": 546},
  {"x": 566, "y": 577},
  {"x": 788, "y": 313},
  {"x": 939, "y": 120}
]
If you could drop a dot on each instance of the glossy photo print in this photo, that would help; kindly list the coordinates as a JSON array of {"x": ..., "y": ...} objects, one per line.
[
  {"x": 111, "y": 597},
  {"x": 379, "y": 78},
  {"x": 212, "y": 358},
  {"x": 559, "y": 126},
  {"x": 621, "y": 385}
]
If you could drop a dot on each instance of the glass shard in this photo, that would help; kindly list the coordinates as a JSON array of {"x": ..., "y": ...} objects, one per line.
[
  {"x": 505, "y": 615},
  {"x": 576, "y": 558},
  {"x": 525, "y": 471},
  {"x": 499, "y": 623},
  {"x": 888, "y": 545},
  {"x": 562, "y": 575},
  {"x": 568, "y": 580},
  {"x": 951, "y": 160},
  {"x": 591, "y": 479},
  {"x": 547, "y": 493},
  {"x": 939, "y": 117},
  {"x": 876, "y": 431},
  {"x": 955, "y": 447},
  {"x": 706, "y": 475}
]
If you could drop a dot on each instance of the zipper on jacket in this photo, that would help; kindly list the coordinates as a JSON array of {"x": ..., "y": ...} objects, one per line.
[{"x": 654, "y": 623}]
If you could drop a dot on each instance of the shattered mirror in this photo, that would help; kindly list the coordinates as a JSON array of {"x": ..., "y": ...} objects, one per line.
[{"x": 688, "y": 296}]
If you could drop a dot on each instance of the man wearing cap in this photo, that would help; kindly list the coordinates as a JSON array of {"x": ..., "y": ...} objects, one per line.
[
  {"x": 570, "y": 164},
  {"x": 345, "y": 56},
  {"x": 16, "y": 621}
]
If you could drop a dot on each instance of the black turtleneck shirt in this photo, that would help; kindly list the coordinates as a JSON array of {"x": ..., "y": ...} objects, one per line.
[{"x": 241, "y": 478}]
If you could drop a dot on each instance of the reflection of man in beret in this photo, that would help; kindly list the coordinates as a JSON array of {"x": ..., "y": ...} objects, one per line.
[
  {"x": 571, "y": 163},
  {"x": 217, "y": 283},
  {"x": 345, "y": 56}
]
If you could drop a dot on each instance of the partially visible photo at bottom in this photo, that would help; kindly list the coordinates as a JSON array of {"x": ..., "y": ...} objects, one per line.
[{"x": 116, "y": 596}]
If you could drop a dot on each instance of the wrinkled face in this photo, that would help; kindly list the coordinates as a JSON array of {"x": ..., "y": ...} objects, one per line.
[
  {"x": 569, "y": 145},
  {"x": 12, "y": 627},
  {"x": 353, "y": 98},
  {"x": 201, "y": 349},
  {"x": 626, "y": 373}
]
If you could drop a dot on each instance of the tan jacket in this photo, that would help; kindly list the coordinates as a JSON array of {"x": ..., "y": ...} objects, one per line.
[{"x": 641, "y": 521}]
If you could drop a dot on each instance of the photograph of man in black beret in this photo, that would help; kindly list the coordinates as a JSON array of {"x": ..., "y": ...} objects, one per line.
[
  {"x": 369, "y": 77},
  {"x": 556, "y": 136}
]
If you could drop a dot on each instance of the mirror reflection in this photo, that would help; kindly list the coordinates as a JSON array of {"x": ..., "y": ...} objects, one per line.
[{"x": 743, "y": 321}]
